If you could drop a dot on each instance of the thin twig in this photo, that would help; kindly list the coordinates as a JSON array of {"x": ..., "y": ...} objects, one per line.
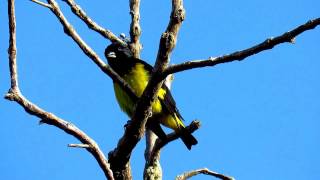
[
  {"x": 76, "y": 9},
  {"x": 119, "y": 158},
  {"x": 79, "y": 145},
  {"x": 205, "y": 171},
  {"x": 12, "y": 50},
  {"x": 240, "y": 55},
  {"x": 135, "y": 29},
  {"x": 41, "y": 3},
  {"x": 46, "y": 117},
  {"x": 69, "y": 30}
]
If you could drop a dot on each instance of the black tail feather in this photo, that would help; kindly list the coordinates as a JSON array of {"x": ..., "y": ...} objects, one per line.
[{"x": 188, "y": 139}]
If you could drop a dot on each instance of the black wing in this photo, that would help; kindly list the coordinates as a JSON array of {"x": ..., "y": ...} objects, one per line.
[
  {"x": 168, "y": 102},
  {"x": 147, "y": 66}
]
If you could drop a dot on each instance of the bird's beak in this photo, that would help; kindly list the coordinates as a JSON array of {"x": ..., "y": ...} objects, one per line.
[{"x": 111, "y": 55}]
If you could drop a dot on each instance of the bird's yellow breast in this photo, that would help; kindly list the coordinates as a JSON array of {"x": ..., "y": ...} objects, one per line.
[{"x": 137, "y": 79}]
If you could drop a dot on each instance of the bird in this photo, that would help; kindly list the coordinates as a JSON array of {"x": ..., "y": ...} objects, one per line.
[{"x": 136, "y": 73}]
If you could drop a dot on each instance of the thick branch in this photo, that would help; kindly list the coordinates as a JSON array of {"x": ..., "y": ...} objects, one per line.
[
  {"x": 69, "y": 30},
  {"x": 152, "y": 169},
  {"x": 76, "y": 9},
  {"x": 240, "y": 55},
  {"x": 46, "y": 117},
  {"x": 206, "y": 171},
  {"x": 135, "y": 29},
  {"x": 135, "y": 130}
]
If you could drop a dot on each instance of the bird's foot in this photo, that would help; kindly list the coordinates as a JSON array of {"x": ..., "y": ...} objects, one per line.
[{"x": 129, "y": 122}]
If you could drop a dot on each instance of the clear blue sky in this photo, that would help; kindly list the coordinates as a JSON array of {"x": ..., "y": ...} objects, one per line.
[{"x": 260, "y": 117}]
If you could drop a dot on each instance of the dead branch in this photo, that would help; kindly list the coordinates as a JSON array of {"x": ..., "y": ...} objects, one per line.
[
  {"x": 41, "y": 3},
  {"x": 79, "y": 145},
  {"x": 46, "y": 117},
  {"x": 194, "y": 125},
  {"x": 240, "y": 55},
  {"x": 205, "y": 171},
  {"x": 69, "y": 128},
  {"x": 12, "y": 50},
  {"x": 135, "y": 29},
  {"x": 152, "y": 169},
  {"x": 76, "y": 9},
  {"x": 70, "y": 31},
  {"x": 119, "y": 158}
]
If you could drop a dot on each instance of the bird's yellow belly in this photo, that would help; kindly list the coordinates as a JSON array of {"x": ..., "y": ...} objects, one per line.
[{"x": 138, "y": 80}]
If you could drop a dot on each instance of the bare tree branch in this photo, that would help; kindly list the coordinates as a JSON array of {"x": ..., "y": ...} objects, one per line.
[
  {"x": 79, "y": 145},
  {"x": 41, "y": 3},
  {"x": 66, "y": 126},
  {"x": 206, "y": 171},
  {"x": 135, "y": 29},
  {"x": 119, "y": 158},
  {"x": 152, "y": 169},
  {"x": 151, "y": 138},
  {"x": 69, "y": 30},
  {"x": 194, "y": 125},
  {"x": 240, "y": 55},
  {"x": 46, "y": 117},
  {"x": 12, "y": 50},
  {"x": 76, "y": 9}
]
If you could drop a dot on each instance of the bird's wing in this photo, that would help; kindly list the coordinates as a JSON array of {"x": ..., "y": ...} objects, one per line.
[
  {"x": 168, "y": 103},
  {"x": 147, "y": 66}
]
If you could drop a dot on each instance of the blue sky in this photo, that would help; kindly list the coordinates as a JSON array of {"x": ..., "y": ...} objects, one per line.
[{"x": 260, "y": 117}]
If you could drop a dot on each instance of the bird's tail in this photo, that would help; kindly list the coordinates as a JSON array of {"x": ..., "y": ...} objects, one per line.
[{"x": 188, "y": 139}]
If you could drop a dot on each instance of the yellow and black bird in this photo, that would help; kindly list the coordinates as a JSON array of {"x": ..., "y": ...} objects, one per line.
[{"x": 137, "y": 73}]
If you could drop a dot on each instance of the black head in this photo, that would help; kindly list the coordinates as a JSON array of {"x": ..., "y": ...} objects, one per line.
[
  {"x": 117, "y": 52},
  {"x": 119, "y": 58}
]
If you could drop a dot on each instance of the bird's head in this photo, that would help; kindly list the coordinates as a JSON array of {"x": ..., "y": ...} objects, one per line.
[
  {"x": 117, "y": 52},
  {"x": 119, "y": 58}
]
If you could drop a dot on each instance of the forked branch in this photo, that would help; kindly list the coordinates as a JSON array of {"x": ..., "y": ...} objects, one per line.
[
  {"x": 41, "y": 3},
  {"x": 69, "y": 30},
  {"x": 46, "y": 117},
  {"x": 120, "y": 156},
  {"x": 135, "y": 130}
]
